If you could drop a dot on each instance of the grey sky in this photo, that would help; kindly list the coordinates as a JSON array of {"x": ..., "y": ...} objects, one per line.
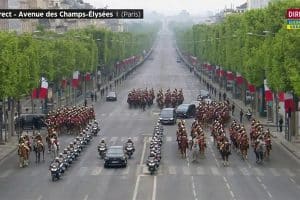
[{"x": 169, "y": 6}]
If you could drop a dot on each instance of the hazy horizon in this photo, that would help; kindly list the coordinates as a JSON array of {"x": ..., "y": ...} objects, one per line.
[{"x": 169, "y": 7}]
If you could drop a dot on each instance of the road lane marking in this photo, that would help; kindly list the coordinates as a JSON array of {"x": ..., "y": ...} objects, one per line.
[
  {"x": 135, "y": 191},
  {"x": 96, "y": 171},
  {"x": 231, "y": 193},
  {"x": 227, "y": 185},
  {"x": 40, "y": 197},
  {"x": 269, "y": 194},
  {"x": 258, "y": 179},
  {"x": 215, "y": 171},
  {"x": 244, "y": 171},
  {"x": 288, "y": 172},
  {"x": 126, "y": 170},
  {"x": 123, "y": 139},
  {"x": 229, "y": 171},
  {"x": 274, "y": 172},
  {"x": 200, "y": 170},
  {"x": 135, "y": 139},
  {"x": 293, "y": 180},
  {"x": 113, "y": 140},
  {"x": 258, "y": 171},
  {"x": 154, "y": 188},
  {"x": 172, "y": 170},
  {"x": 143, "y": 152},
  {"x": 86, "y": 197},
  {"x": 186, "y": 170}
]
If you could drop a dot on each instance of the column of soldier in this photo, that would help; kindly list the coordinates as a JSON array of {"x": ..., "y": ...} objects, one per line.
[
  {"x": 156, "y": 141},
  {"x": 88, "y": 128}
]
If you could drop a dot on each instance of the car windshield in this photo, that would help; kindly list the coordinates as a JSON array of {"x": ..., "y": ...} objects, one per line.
[
  {"x": 111, "y": 94},
  {"x": 166, "y": 113},
  {"x": 183, "y": 107},
  {"x": 204, "y": 92},
  {"x": 114, "y": 151}
]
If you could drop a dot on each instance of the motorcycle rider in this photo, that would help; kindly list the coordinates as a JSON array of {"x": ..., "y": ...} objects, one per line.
[
  {"x": 129, "y": 141},
  {"x": 102, "y": 142}
]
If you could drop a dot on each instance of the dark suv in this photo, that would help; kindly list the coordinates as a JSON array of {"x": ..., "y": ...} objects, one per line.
[
  {"x": 115, "y": 156},
  {"x": 30, "y": 121},
  {"x": 168, "y": 116}
]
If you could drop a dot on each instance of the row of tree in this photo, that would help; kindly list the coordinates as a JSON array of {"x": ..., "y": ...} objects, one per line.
[
  {"x": 256, "y": 44},
  {"x": 25, "y": 58}
]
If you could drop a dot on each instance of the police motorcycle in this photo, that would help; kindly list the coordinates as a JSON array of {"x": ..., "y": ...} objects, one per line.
[
  {"x": 68, "y": 156},
  {"x": 85, "y": 137},
  {"x": 95, "y": 128},
  {"x": 81, "y": 140},
  {"x": 78, "y": 144},
  {"x": 102, "y": 149},
  {"x": 56, "y": 169},
  {"x": 74, "y": 150},
  {"x": 87, "y": 134},
  {"x": 152, "y": 164},
  {"x": 129, "y": 148},
  {"x": 154, "y": 158},
  {"x": 64, "y": 160}
]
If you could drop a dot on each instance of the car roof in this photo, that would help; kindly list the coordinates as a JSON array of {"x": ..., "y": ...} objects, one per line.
[
  {"x": 204, "y": 91},
  {"x": 184, "y": 104},
  {"x": 116, "y": 147},
  {"x": 167, "y": 109}
]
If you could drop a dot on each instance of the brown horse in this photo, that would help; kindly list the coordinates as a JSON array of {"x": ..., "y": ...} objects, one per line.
[
  {"x": 268, "y": 147},
  {"x": 202, "y": 146},
  {"x": 23, "y": 152},
  {"x": 244, "y": 146},
  {"x": 38, "y": 149},
  {"x": 183, "y": 145}
]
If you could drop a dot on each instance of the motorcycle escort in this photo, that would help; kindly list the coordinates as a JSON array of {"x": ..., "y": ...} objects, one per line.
[
  {"x": 152, "y": 165},
  {"x": 102, "y": 150},
  {"x": 154, "y": 158},
  {"x": 129, "y": 149}
]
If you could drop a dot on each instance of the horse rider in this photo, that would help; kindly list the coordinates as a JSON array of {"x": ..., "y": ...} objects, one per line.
[{"x": 38, "y": 137}]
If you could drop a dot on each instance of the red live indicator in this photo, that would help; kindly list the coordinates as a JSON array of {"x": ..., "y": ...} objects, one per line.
[{"x": 293, "y": 13}]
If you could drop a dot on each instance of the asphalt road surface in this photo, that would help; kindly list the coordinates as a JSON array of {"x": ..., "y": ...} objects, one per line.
[{"x": 177, "y": 178}]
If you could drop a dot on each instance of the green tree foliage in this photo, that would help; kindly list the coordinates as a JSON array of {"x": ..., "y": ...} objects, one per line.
[
  {"x": 255, "y": 43},
  {"x": 25, "y": 58}
]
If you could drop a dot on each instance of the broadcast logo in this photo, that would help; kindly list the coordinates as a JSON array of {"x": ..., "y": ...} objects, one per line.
[{"x": 293, "y": 18}]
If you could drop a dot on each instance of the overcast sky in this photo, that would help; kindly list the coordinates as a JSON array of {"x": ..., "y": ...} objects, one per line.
[{"x": 168, "y": 6}]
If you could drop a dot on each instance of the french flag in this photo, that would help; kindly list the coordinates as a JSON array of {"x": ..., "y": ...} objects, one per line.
[
  {"x": 44, "y": 88},
  {"x": 268, "y": 92},
  {"x": 289, "y": 102},
  {"x": 239, "y": 79},
  {"x": 75, "y": 80}
]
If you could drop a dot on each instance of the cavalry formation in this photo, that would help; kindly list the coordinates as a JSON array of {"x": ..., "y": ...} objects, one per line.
[
  {"x": 169, "y": 99},
  {"x": 140, "y": 98},
  {"x": 71, "y": 120},
  {"x": 215, "y": 116}
]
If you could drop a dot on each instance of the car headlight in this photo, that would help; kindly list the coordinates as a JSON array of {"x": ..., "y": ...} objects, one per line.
[
  {"x": 171, "y": 118},
  {"x": 160, "y": 118}
]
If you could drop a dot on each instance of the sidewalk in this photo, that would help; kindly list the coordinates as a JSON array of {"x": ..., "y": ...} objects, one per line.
[
  {"x": 9, "y": 147},
  {"x": 293, "y": 147}
]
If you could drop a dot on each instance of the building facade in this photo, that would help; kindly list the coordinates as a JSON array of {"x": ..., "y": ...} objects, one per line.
[
  {"x": 4, "y": 22},
  {"x": 257, "y": 4}
]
